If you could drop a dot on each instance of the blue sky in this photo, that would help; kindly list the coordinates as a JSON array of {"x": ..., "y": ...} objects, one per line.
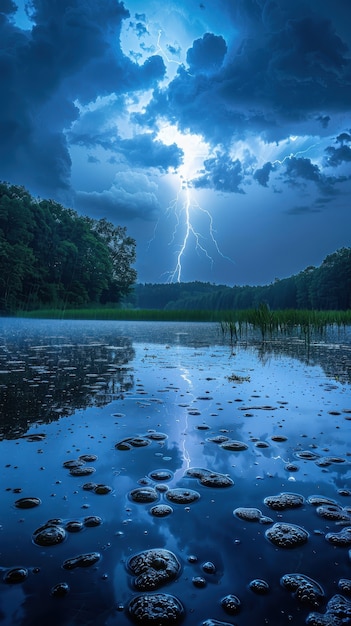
[{"x": 217, "y": 132}]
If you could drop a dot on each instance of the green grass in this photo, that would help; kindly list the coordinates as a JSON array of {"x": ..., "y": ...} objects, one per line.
[
  {"x": 236, "y": 323},
  {"x": 126, "y": 314}
]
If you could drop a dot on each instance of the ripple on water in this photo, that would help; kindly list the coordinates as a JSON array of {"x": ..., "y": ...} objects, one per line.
[{"x": 159, "y": 609}]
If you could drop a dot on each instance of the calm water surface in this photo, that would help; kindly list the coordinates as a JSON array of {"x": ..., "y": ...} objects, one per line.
[{"x": 165, "y": 442}]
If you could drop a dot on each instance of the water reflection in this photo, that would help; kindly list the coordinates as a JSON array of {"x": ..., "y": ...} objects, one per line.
[{"x": 182, "y": 395}]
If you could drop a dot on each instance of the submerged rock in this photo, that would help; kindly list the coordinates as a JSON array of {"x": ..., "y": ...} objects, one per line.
[
  {"x": 153, "y": 568},
  {"x": 159, "y": 609}
]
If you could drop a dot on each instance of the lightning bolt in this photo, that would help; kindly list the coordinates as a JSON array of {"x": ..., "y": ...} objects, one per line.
[
  {"x": 185, "y": 210},
  {"x": 294, "y": 154}
]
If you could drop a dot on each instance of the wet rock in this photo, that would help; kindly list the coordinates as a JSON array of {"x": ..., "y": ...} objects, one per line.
[
  {"x": 161, "y": 510},
  {"x": 321, "y": 501},
  {"x": 210, "y": 479},
  {"x": 307, "y": 455},
  {"x": 102, "y": 490},
  {"x": 286, "y": 535},
  {"x": 344, "y": 585},
  {"x": 182, "y": 496},
  {"x": 82, "y": 471},
  {"x": 15, "y": 575},
  {"x": 342, "y": 538},
  {"x": 303, "y": 588},
  {"x": 218, "y": 439},
  {"x": 209, "y": 567},
  {"x": 92, "y": 520},
  {"x": 199, "y": 582},
  {"x": 27, "y": 503},
  {"x": 248, "y": 514},
  {"x": 88, "y": 458},
  {"x": 338, "y": 613},
  {"x": 73, "y": 463},
  {"x": 284, "y": 501},
  {"x": 60, "y": 590},
  {"x": 89, "y": 486},
  {"x": 234, "y": 446},
  {"x": 50, "y": 534},
  {"x": 156, "y": 436},
  {"x": 261, "y": 587},
  {"x": 74, "y": 526},
  {"x": 144, "y": 495},
  {"x": 231, "y": 604},
  {"x": 159, "y": 609},
  {"x": 82, "y": 560},
  {"x": 333, "y": 512},
  {"x": 153, "y": 568},
  {"x": 161, "y": 475}
]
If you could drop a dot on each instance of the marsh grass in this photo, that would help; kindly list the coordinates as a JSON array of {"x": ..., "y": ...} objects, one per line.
[{"x": 235, "y": 323}]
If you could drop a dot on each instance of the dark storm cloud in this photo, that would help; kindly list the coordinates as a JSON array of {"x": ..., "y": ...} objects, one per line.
[
  {"x": 341, "y": 154},
  {"x": 206, "y": 53},
  {"x": 287, "y": 66},
  {"x": 72, "y": 52},
  {"x": 262, "y": 174},
  {"x": 146, "y": 151},
  {"x": 222, "y": 174},
  {"x": 7, "y": 7}
]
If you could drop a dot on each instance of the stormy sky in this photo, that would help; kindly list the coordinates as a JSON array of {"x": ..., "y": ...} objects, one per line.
[{"x": 217, "y": 132}]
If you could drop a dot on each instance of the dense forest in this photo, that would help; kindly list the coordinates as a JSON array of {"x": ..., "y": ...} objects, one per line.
[
  {"x": 51, "y": 256},
  {"x": 327, "y": 287}
]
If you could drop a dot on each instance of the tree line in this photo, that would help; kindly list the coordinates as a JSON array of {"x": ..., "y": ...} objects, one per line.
[
  {"x": 52, "y": 257},
  {"x": 327, "y": 287}
]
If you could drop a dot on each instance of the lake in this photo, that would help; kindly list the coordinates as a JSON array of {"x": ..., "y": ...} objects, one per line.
[{"x": 155, "y": 473}]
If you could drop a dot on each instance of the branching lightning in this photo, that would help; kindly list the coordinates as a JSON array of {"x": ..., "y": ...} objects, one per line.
[
  {"x": 294, "y": 154},
  {"x": 185, "y": 209}
]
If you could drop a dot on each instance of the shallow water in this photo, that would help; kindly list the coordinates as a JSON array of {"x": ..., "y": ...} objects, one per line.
[{"x": 170, "y": 409}]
